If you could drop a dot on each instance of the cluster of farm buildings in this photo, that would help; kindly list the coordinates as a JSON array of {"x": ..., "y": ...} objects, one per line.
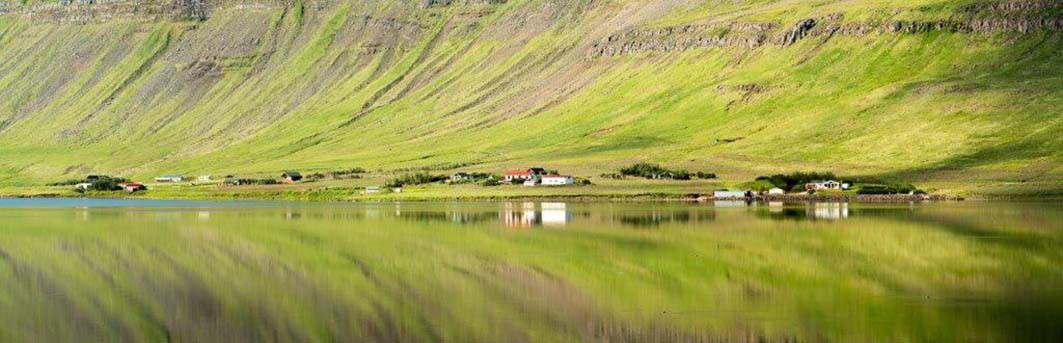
[
  {"x": 811, "y": 187},
  {"x": 537, "y": 176},
  {"x": 530, "y": 177}
]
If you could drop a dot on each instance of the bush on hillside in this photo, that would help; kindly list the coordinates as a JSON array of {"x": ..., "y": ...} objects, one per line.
[
  {"x": 887, "y": 189},
  {"x": 704, "y": 175},
  {"x": 475, "y": 177},
  {"x": 107, "y": 184},
  {"x": 70, "y": 182},
  {"x": 654, "y": 171},
  {"x": 419, "y": 178},
  {"x": 106, "y": 179},
  {"x": 237, "y": 182}
]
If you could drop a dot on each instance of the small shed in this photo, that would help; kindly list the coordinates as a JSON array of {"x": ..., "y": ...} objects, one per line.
[
  {"x": 170, "y": 178},
  {"x": 823, "y": 185},
  {"x": 133, "y": 187},
  {"x": 728, "y": 194},
  {"x": 291, "y": 177}
]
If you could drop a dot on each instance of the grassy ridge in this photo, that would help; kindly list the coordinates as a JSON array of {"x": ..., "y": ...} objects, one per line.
[{"x": 394, "y": 86}]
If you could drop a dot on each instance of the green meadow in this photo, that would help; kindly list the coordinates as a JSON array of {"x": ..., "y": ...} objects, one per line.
[{"x": 391, "y": 85}]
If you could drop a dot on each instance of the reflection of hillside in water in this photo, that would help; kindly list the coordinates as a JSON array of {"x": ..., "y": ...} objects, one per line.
[
  {"x": 556, "y": 214},
  {"x": 660, "y": 217}
]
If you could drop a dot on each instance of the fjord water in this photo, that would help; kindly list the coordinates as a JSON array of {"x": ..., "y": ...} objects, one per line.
[{"x": 92, "y": 270}]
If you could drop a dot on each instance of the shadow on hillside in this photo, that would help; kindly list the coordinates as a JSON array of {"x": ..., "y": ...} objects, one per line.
[{"x": 1028, "y": 68}]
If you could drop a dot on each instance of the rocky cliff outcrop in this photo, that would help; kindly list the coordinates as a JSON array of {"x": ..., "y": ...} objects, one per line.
[
  {"x": 445, "y": 3},
  {"x": 98, "y": 11},
  {"x": 982, "y": 18}
]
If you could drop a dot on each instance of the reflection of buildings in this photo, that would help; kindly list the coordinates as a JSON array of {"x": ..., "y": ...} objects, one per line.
[
  {"x": 829, "y": 210},
  {"x": 731, "y": 203},
  {"x": 555, "y": 213},
  {"x": 519, "y": 215},
  {"x": 529, "y": 214}
]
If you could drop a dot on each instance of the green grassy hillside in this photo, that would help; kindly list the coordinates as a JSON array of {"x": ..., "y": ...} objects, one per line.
[{"x": 953, "y": 93}]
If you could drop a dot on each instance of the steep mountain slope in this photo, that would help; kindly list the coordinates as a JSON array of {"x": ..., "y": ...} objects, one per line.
[{"x": 929, "y": 89}]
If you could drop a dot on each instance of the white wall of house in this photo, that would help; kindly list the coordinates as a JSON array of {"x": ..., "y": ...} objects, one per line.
[
  {"x": 728, "y": 194},
  {"x": 558, "y": 181}
]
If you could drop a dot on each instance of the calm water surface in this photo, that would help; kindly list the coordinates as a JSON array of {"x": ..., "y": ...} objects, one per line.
[{"x": 119, "y": 270}]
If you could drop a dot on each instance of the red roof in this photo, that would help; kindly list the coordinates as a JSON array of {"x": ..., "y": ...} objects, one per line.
[
  {"x": 555, "y": 175},
  {"x": 519, "y": 172}
]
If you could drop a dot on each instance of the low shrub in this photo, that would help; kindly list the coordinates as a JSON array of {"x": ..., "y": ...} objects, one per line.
[
  {"x": 419, "y": 178},
  {"x": 70, "y": 182},
  {"x": 474, "y": 177},
  {"x": 704, "y": 175},
  {"x": 107, "y": 184},
  {"x": 887, "y": 189},
  {"x": 240, "y": 182},
  {"x": 654, "y": 171}
]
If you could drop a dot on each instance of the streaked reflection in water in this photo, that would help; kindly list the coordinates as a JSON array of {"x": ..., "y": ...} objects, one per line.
[{"x": 107, "y": 270}]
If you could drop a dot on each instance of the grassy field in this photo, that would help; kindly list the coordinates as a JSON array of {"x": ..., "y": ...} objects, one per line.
[
  {"x": 389, "y": 86},
  {"x": 630, "y": 189}
]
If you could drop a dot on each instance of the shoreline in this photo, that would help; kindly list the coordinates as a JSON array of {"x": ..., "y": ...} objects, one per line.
[{"x": 638, "y": 197}]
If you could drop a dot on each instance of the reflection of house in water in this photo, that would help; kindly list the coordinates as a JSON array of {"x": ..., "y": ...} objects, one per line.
[
  {"x": 731, "y": 203},
  {"x": 472, "y": 217},
  {"x": 555, "y": 213},
  {"x": 829, "y": 210},
  {"x": 520, "y": 215},
  {"x": 530, "y": 214}
]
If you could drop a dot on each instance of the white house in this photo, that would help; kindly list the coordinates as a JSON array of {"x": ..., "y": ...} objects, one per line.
[
  {"x": 513, "y": 176},
  {"x": 558, "y": 180},
  {"x": 823, "y": 185},
  {"x": 204, "y": 178},
  {"x": 776, "y": 191},
  {"x": 83, "y": 186},
  {"x": 727, "y": 194},
  {"x": 170, "y": 178}
]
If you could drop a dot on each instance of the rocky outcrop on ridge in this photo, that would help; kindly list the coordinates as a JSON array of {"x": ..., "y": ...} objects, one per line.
[{"x": 982, "y": 18}]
